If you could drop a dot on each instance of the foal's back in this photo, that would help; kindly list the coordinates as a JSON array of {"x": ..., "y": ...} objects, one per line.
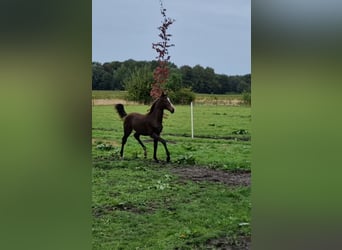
[{"x": 139, "y": 123}]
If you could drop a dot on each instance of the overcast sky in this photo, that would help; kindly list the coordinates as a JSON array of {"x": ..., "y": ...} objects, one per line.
[{"x": 211, "y": 33}]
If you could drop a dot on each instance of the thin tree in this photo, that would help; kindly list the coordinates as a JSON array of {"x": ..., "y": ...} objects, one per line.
[{"x": 161, "y": 72}]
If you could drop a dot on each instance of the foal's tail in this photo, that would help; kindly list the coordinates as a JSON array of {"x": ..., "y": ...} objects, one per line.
[{"x": 121, "y": 110}]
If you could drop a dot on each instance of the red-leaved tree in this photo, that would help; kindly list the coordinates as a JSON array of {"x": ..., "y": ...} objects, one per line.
[{"x": 161, "y": 72}]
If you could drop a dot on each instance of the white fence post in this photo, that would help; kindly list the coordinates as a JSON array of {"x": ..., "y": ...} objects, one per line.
[{"x": 192, "y": 120}]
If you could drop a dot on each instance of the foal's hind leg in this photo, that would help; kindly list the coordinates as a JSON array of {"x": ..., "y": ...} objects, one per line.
[
  {"x": 137, "y": 136},
  {"x": 124, "y": 140}
]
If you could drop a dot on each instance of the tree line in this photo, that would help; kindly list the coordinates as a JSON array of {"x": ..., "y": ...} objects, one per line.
[{"x": 115, "y": 75}]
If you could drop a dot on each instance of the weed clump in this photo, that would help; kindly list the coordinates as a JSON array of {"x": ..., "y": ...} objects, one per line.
[
  {"x": 186, "y": 159},
  {"x": 104, "y": 147}
]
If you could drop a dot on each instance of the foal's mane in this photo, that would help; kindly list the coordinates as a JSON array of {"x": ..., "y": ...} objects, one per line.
[{"x": 153, "y": 106}]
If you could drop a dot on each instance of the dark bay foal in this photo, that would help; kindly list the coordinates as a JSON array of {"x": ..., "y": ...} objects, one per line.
[{"x": 150, "y": 124}]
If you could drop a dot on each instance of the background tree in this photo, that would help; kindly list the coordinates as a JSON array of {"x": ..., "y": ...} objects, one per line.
[
  {"x": 187, "y": 76},
  {"x": 198, "y": 81},
  {"x": 223, "y": 85},
  {"x": 97, "y": 71},
  {"x": 121, "y": 74},
  {"x": 174, "y": 82},
  {"x": 111, "y": 76}
]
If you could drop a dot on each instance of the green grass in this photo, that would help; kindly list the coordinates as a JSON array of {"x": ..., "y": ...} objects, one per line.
[
  {"x": 139, "y": 204},
  {"x": 166, "y": 214},
  {"x": 214, "y": 128}
]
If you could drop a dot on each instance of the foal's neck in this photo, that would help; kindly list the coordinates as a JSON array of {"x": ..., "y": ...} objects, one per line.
[{"x": 158, "y": 113}]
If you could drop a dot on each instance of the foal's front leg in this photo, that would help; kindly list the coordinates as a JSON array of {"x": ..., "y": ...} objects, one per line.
[{"x": 156, "y": 139}]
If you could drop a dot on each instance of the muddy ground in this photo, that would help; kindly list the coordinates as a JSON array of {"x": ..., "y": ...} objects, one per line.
[
  {"x": 229, "y": 178},
  {"x": 242, "y": 243}
]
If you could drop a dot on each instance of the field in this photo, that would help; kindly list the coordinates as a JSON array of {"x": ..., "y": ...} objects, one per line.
[
  {"x": 105, "y": 97},
  {"x": 201, "y": 200},
  {"x": 105, "y": 94}
]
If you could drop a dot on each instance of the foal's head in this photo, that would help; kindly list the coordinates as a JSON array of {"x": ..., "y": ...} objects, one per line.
[{"x": 164, "y": 103}]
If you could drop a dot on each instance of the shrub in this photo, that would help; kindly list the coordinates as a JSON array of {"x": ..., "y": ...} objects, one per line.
[
  {"x": 182, "y": 96},
  {"x": 138, "y": 85},
  {"x": 246, "y": 97}
]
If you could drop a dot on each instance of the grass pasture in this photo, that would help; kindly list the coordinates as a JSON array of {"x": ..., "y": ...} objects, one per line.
[{"x": 139, "y": 204}]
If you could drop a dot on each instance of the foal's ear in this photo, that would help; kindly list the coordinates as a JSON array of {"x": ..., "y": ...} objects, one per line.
[{"x": 163, "y": 94}]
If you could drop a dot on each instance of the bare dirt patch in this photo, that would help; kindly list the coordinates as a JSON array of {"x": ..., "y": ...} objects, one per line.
[
  {"x": 106, "y": 209},
  {"x": 108, "y": 142},
  {"x": 198, "y": 174},
  {"x": 242, "y": 243}
]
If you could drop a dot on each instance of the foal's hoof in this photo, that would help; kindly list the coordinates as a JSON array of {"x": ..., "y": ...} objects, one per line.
[
  {"x": 168, "y": 159},
  {"x": 156, "y": 160}
]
